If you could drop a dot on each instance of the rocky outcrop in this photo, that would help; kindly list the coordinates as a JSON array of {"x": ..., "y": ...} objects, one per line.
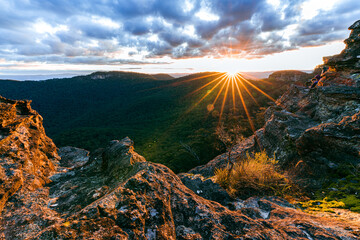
[
  {"x": 148, "y": 201},
  {"x": 317, "y": 128},
  {"x": 27, "y": 155},
  {"x": 115, "y": 194},
  {"x": 349, "y": 58},
  {"x": 72, "y": 157},
  {"x": 206, "y": 188}
]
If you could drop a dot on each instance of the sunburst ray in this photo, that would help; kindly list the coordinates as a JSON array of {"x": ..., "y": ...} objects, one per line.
[
  {"x": 258, "y": 89},
  {"x": 233, "y": 93},
  {"x": 245, "y": 108},
  {"x": 208, "y": 92},
  {"x": 209, "y": 83},
  {"x": 220, "y": 91},
  {"x": 224, "y": 99},
  {"x": 246, "y": 89}
]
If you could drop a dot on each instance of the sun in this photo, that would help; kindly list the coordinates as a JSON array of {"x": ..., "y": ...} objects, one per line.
[{"x": 232, "y": 73}]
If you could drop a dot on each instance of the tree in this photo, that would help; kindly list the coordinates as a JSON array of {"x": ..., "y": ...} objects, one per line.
[{"x": 229, "y": 138}]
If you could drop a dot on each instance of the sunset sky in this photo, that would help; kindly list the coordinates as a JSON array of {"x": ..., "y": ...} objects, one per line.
[{"x": 170, "y": 36}]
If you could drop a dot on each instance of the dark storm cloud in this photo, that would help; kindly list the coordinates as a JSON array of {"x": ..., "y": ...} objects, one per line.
[
  {"x": 93, "y": 32},
  {"x": 271, "y": 19}
]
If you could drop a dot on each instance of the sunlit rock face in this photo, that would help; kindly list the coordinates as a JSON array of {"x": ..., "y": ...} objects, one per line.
[
  {"x": 349, "y": 58},
  {"x": 27, "y": 155},
  {"x": 113, "y": 193}
]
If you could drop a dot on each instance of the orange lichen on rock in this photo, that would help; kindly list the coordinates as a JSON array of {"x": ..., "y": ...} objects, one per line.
[{"x": 27, "y": 155}]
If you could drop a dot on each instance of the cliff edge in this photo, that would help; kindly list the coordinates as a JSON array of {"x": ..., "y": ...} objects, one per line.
[{"x": 27, "y": 154}]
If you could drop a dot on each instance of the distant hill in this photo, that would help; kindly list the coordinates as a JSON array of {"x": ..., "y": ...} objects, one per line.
[
  {"x": 290, "y": 75},
  {"x": 162, "y": 76},
  {"x": 88, "y": 111}
]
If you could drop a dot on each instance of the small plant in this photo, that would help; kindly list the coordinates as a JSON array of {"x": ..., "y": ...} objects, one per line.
[
  {"x": 254, "y": 176},
  {"x": 352, "y": 202},
  {"x": 222, "y": 177},
  {"x": 321, "y": 205}
]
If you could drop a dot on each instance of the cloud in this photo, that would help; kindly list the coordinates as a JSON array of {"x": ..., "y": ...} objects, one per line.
[
  {"x": 140, "y": 31},
  {"x": 325, "y": 26}
]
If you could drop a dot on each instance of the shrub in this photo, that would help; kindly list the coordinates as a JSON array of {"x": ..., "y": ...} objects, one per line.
[
  {"x": 254, "y": 176},
  {"x": 352, "y": 202}
]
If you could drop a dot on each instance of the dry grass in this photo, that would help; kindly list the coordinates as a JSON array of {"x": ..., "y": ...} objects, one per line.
[{"x": 254, "y": 176}]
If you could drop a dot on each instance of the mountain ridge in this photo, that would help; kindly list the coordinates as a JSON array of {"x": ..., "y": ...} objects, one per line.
[{"x": 88, "y": 111}]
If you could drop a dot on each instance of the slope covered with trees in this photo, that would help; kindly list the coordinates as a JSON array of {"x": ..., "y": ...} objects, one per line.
[{"x": 165, "y": 118}]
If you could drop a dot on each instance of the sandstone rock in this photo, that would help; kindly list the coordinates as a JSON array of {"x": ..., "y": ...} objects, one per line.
[
  {"x": 120, "y": 154},
  {"x": 206, "y": 188},
  {"x": 331, "y": 144},
  {"x": 27, "y": 155},
  {"x": 315, "y": 130},
  {"x": 105, "y": 168},
  {"x": 72, "y": 157},
  {"x": 152, "y": 203}
]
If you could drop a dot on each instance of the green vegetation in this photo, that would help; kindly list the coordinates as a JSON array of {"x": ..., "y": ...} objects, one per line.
[
  {"x": 341, "y": 191},
  {"x": 346, "y": 187},
  {"x": 254, "y": 176},
  {"x": 88, "y": 111},
  {"x": 321, "y": 205}
]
